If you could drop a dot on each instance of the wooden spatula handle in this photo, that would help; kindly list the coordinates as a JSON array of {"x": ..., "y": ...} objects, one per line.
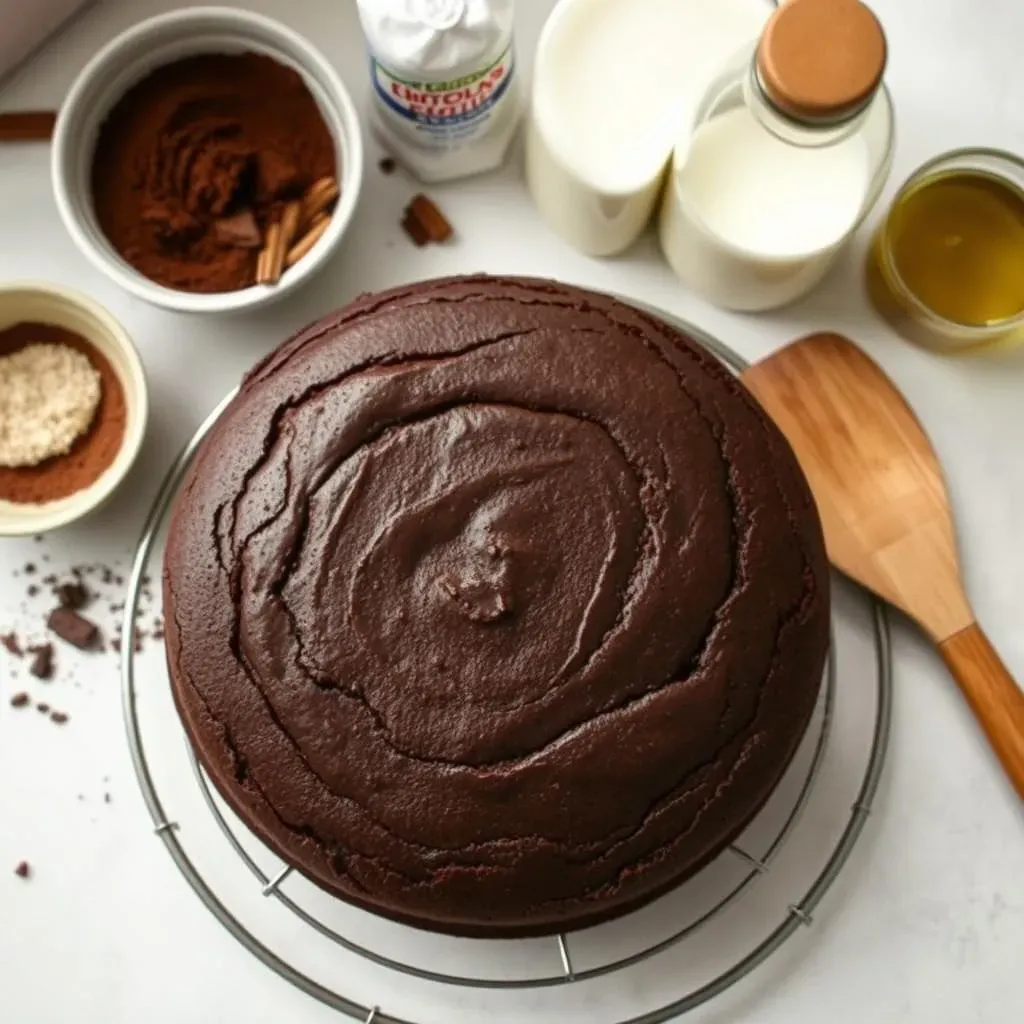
[{"x": 994, "y": 696}]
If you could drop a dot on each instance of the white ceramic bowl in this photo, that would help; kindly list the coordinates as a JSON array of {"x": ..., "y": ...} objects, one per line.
[
  {"x": 32, "y": 301},
  {"x": 132, "y": 55}
]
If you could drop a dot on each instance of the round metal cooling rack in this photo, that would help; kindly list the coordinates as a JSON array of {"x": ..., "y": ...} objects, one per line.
[{"x": 798, "y": 913}]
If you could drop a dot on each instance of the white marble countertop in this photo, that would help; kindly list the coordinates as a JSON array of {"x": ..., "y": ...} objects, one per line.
[{"x": 927, "y": 924}]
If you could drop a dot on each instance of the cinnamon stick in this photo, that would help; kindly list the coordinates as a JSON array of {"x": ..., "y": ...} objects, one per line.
[
  {"x": 27, "y": 126},
  {"x": 302, "y": 247},
  {"x": 321, "y": 195},
  {"x": 269, "y": 256}
]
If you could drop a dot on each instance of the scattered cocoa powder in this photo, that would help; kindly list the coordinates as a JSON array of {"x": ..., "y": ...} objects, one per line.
[
  {"x": 93, "y": 452},
  {"x": 73, "y": 595},
  {"x": 197, "y": 142}
]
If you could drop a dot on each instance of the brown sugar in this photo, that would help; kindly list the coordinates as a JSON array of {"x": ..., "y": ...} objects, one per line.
[{"x": 93, "y": 452}]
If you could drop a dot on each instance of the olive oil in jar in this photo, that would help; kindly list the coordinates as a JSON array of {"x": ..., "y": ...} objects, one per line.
[{"x": 951, "y": 255}]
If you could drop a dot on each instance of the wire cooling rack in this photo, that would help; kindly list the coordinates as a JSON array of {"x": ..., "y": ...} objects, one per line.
[{"x": 394, "y": 953}]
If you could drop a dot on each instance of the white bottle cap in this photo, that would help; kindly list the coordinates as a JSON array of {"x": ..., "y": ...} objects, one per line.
[{"x": 439, "y": 14}]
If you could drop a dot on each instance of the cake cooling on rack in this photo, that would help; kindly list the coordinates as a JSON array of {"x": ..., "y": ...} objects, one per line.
[{"x": 495, "y": 606}]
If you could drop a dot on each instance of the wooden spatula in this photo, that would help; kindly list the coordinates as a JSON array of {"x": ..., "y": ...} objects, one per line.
[{"x": 885, "y": 512}]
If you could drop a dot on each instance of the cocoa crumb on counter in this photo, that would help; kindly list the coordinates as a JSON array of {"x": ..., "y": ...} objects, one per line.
[
  {"x": 424, "y": 222},
  {"x": 43, "y": 709},
  {"x": 73, "y": 628},
  {"x": 23, "y": 870},
  {"x": 59, "y": 717},
  {"x": 42, "y": 661},
  {"x": 12, "y": 643},
  {"x": 387, "y": 165},
  {"x": 73, "y": 595},
  {"x": 21, "y": 700}
]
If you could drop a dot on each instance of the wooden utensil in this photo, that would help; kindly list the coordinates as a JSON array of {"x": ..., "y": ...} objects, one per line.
[{"x": 885, "y": 512}]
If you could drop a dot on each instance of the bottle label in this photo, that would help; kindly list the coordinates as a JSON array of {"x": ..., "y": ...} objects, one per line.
[{"x": 443, "y": 115}]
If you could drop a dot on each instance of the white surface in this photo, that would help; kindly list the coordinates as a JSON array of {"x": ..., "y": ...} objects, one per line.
[{"x": 928, "y": 923}]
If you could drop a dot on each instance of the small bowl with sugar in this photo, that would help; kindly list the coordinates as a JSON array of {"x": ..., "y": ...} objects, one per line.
[{"x": 73, "y": 406}]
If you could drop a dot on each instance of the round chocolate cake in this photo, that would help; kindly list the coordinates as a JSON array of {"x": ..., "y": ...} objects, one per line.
[{"x": 495, "y": 606}]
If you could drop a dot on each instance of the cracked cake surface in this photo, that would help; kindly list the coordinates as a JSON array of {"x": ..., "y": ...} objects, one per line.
[{"x": 494, "y": 605}]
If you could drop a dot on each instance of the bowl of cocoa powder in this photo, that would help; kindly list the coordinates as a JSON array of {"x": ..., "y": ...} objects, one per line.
[
  {"x": 208, "y": 160},
  {"x": 73, "y": 407}
]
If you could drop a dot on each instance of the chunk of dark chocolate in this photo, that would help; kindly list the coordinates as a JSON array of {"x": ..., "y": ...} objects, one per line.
[{"x": 73, "y": 628}]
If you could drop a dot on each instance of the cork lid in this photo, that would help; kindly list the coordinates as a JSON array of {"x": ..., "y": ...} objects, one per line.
[{"x": 821, "y": 59}]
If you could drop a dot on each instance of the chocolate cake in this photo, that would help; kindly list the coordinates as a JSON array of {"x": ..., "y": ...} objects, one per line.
[{"x": 495, "y": 606}]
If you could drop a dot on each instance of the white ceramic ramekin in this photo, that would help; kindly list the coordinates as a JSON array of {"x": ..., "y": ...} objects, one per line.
[
  {"x": 36, "y": 302},
  {"x": 161, "y": 40}
]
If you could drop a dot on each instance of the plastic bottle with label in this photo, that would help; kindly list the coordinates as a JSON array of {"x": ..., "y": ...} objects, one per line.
[{"x": 446, "y": 98}]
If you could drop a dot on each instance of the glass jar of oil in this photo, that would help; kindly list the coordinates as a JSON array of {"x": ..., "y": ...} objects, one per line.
[{"x": 946, "y": 267}]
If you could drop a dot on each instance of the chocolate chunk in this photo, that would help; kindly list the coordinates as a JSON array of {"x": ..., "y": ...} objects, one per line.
[
  {"x": 387, "y": 165},
  {"x": 432, "y": 224},
  {"x": 12, "y": 643},
  {"x": 73, "y": 628},
  {"x": 20, "y": 700},
  {"x": 239, "y": 231},
  {"x": 415, "y": 230},
  {"x": 60, "y": 717},
  {"x": 23, "y": 870},
  {"x": 42, "y": 661},
  {"x": 72, "y": 595}
]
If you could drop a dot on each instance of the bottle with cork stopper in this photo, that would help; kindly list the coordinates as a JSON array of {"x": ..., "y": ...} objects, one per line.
[{"x": 791, "y": 147}]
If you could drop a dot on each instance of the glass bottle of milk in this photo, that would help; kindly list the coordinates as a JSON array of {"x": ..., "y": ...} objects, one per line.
[{"x": 790, "y": 150}]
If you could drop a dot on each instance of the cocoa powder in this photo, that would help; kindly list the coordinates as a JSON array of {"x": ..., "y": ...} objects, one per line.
[
  {"x": 91, "y": 453},
  {"x": 195, "y": 143}
]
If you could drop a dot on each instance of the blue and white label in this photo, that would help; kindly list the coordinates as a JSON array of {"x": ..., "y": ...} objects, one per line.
[{"x": 445, "y": 114}]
